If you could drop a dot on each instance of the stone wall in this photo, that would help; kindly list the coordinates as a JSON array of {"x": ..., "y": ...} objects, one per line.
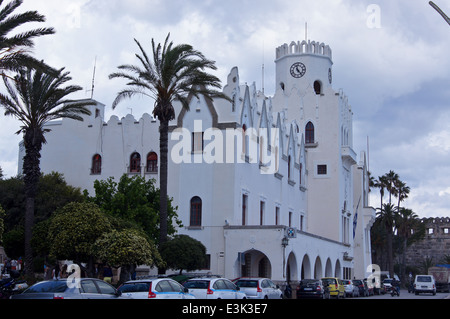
[{"x": 435, "y": 245}]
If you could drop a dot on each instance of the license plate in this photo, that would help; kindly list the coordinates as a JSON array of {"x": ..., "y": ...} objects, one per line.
[
  {"x": 424, "y": 287},
  {"x": 308, "y": 289}
]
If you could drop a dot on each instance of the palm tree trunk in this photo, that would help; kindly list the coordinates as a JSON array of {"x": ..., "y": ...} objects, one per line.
[
  {"x": 163, "y": 177},
  {"x": 31, "y": 170}
]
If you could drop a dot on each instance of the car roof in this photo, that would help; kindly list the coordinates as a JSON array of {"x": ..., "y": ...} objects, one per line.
[{"x": 146, "y": 280}]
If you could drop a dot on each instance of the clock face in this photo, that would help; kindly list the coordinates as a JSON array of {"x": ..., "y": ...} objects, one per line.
[
  {"x": 298, "y": 70},
  {"x": 330, "y": 76}
]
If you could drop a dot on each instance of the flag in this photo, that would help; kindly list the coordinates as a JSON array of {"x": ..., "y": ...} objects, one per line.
[{"x": 355, "y": 219}]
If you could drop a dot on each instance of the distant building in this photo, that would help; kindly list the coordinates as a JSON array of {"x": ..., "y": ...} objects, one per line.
[{"x": 275, "y": 190}]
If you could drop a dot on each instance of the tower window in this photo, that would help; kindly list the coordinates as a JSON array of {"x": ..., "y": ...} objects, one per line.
[
  {"x": 96, "y": 165},
  {"x": 196, "y": 212},
  {"x": 318, "y": 87},
  {"x": 135, "y": 163},
  {"x": 322, "y": 170},
  {"x": 152, "y": 163},
  {"x": 310, "y": 133}
]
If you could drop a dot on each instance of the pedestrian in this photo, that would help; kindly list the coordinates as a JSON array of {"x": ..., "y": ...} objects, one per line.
[
  {"x": 64, "y": 273},
  {"x": 107, "y": 274},
  {"x": 56, "y": 272}
]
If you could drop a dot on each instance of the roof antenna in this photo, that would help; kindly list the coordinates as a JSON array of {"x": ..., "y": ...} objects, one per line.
[
  {"x": 306, "y": 31},
  {"x": 93, "y": 80}
]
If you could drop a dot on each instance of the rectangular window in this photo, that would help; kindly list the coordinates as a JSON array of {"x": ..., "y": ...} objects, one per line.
[
  {"x": 261, "y": 212},
  {"x": 277, "y": 216},
  {"x": 290, "y": 219},
  {"x": 301, "y": 222},
  {"x": 322, "y": 170},
  {"x": 197, "y": 142},
  {"x": 244, "y": 209},
  {"x": 446, "y": 231}
]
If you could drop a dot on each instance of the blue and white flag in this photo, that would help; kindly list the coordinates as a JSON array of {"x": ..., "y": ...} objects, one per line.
[{"x": 355, "y": 219}]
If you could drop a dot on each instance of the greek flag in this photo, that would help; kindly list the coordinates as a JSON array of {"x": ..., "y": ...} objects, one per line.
[{"x": 355, "y": 219}]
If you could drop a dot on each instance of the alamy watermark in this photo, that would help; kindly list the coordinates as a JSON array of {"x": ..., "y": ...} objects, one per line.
[
  {"x": 374, "y": 16},
  {"x": 234, "y": 146}
]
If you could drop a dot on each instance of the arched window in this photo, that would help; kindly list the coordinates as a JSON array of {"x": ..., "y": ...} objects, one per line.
[
  {"x": 289, "y": 167},
  {"x": 310, "y": 132},
  {"x": 152, "y": 163},
  {"x": 318, "y": 87},
  {"x": 135, "y": 163},
  {"x": 196, "y": 212},
  {"x": 96, "y": 168}
]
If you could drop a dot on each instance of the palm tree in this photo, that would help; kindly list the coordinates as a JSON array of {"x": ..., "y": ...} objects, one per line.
[
  {"x": 402, "y": 192},
  {"x": 406, "y": 221},
  {"x": 173, "y": 73},
  {"x": 391, "y": 178},
  {"x": 381, "y": 183},
  {"x": 446, "y": 18},
  {"x": 387, "y": 216},
  {"x": 35, "y": 98},
  {"x": 14, "y": 49}
]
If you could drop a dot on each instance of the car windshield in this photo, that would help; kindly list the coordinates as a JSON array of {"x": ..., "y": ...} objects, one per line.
[
  {"x": 357, "y": 282},
  {"x": 196, "y": 284},
  {"x": 388, "y": 281},
  {"x": 308, "y": 282},
  {"x": 329, "y": 281},
  {"x": 48, "y": 287},
  {"x": 346, "y": 282},
  {"x": 424, "y": 279},
  {"x": 247, "y": 283},
  {"x": 135, "y": 287}
]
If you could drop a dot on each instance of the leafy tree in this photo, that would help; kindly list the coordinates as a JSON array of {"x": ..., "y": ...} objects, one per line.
[
  {"x": 74, "y": 230},
  {"x": 135, "y": 200},
  {"x": 174, "y": 73},
  {"x": 14, "y": 50},
  {"x": 184, "y": 252},
  {"x": 35, "y": 98},
  {"x": 126, "y": 249}
]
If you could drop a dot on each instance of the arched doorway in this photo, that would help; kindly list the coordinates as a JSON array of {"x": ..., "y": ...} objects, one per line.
[
  {"x": 255, "y": 264},
  {"x": 338, "y": 270}
]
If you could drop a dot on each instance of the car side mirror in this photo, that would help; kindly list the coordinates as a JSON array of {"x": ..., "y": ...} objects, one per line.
[
  {"x": 118, "y": 293},
  {"x": 237, "y": 288},
  {"x": 186, "y": 290}
]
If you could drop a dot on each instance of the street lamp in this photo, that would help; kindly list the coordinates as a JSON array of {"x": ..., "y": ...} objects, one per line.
[
  {"x": 284, "y": 244},
  {"x": 446, "y": 18}
]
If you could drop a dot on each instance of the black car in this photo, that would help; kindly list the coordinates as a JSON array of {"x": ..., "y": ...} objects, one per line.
[
  {"x": 362, "y": 286},
  {"x": 312, "y": 288}
]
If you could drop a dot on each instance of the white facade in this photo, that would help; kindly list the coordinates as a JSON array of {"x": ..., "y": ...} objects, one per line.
[{"x": 283, "y": 210}]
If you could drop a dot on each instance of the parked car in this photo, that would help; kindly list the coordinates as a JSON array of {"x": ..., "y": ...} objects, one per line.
[
  {"x": 213, "y": 288},
  {"x": 351, "y": 289},
  {"x": 312, "y": 288},
  {"x": 424, "y": 284},
  {"x": 155, "y": 288},
  {"x": 335, "y": 287},
  {"x": 259, "y": 288},
  {"x": 88, "y": 288},
  {"x": 362, "y": 286},
  {"x": 370, "y": 288},
  {"x": 387, "y": 283}
]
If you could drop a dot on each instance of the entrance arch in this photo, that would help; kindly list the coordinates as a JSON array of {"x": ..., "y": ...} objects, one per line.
[
  {"x": 255, "y": 264},
  {"x": 338, "y": 270}
]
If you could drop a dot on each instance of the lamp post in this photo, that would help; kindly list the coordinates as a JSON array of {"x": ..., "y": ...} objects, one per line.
[
  {"x": 284, "y": 244},
  {"x": 446, "y": 18}
]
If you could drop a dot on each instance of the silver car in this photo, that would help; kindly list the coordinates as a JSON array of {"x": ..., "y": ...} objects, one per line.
[
  {"x": 259, "y": 288},
  {"x": 88, "y": 288}
]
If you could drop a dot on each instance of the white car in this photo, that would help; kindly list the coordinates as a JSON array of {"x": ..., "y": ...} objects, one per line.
[
  {"x": 154, "y": 288},
  {"x": 424, "y": 283},
  {"x": 351, "y": 290},
  {"x": 213, "y": 288},
  {"x": 259, "y": 288}
]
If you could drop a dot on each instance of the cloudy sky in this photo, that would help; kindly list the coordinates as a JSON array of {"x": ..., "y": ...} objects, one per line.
[{"x": 392, "y": 59}]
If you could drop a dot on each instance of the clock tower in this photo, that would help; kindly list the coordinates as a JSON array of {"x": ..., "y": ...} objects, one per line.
[{"x": 303, "y": 64}]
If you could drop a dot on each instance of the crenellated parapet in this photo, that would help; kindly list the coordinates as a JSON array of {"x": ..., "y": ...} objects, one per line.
[{"x": 304, "y": 47}]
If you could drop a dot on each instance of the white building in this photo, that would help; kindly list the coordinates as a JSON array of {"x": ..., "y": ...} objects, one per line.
[{"x": 270, "y": 185}]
